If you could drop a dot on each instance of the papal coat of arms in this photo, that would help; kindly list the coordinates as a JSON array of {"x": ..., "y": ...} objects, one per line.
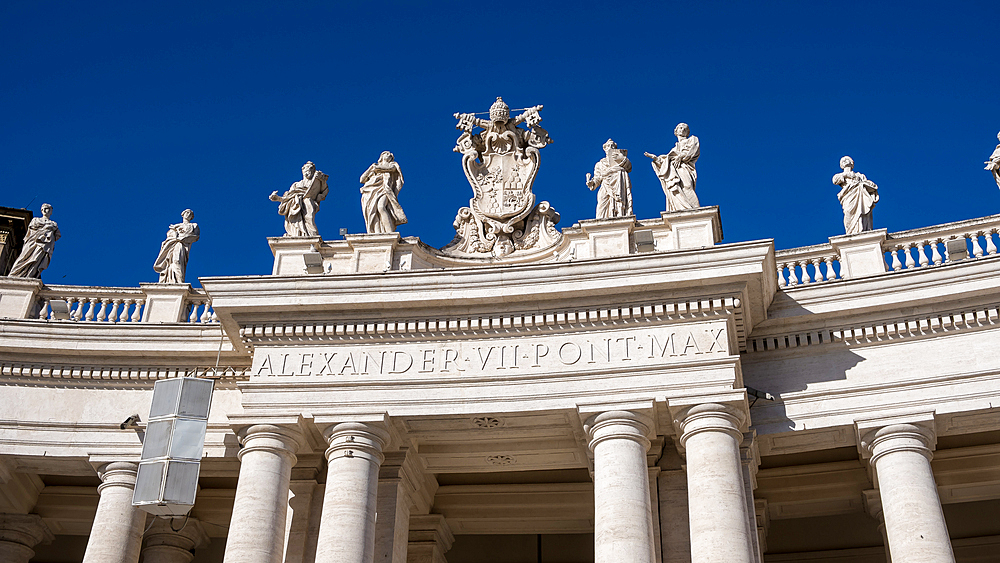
[{"x": 501, "y": 162}]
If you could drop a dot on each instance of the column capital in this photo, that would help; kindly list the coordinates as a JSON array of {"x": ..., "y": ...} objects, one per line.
[
  {"x": 431, "y": 530},
  {"x": 364, "y": 440},
  {"x": 117, "y": 474},
  {"x": 163, "y": 538},
  {"x": 873, "y": 505},
  {"x": 28, "y": 530},
  {"x": 879, "y": 436},
  {"x": 619, "y": 424},
  {"x": 277, "y": 439},
  {"x": 710, "y": 417}
]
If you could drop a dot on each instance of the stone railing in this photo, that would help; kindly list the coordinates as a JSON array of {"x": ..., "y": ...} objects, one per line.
[
  {"x": 98, "y": 304},
  {"x": 877, "y": 252},
  {"x": 197, "y": 301},
  {"x": 917, "y": 248}
]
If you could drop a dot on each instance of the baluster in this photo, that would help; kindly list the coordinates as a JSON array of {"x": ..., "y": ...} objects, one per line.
[
  {"x": 830, "y": 274},
  {"x": 910, "y": 263},
  {"x": 977, "y": 250},
  {"x": 991, "y": 248},
  {"x": 126, "y": 303},
  {"x": 206, "y": 314},
  {"x": 922, "y": 253},
  {"x": 102, "y": 315},
  {"x": 781, "y": 276},
  {"x": 896, "y": 266},
  {"x": 137, "y": 313},
  {"x": 215, "y": 318},
  {"x": 935, "y": 255},
  {"x": 792, "y": 279},
  {"x": 113, "y": 313},
  {"x": 73, "y": 312},
  {"x": 92, "y": 309},
  {"x": 194, "y": 312},
  {"x": 805, "y": 272},
  {"x": 44, "y": 313},
  {"x": 817, "y": 273}
]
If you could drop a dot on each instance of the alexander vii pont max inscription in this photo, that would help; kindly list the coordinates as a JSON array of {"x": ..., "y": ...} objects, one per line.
[{"x": 639, "y": 347}]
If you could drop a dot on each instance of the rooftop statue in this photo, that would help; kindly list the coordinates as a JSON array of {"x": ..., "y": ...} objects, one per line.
[
  {"x": 38, "y": 245},
  {"x": 172, "y": 261},
  {"x": 993, "y": 164},
  {"x": 676, "y": 170},
  {"x": 379, "y": 194},
  {"x": 858, "y": 196},
  {"x": 501, "y": 163},
  {"x": 301, "y": 202},
  {"x": 614, "y": 199}
]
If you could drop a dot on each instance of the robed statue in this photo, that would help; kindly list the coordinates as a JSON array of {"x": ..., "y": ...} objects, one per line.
[
  {"x": 36, "y": 253},
  {"x": 380, "y": 195},
  {"x": 676, "y": 170},
  {"x": 171, "y": 262},
  {"x": 993, "y": 164},
  {"x": 614, "y": 198},
  {"x": 858, "y": 196},
  {"x": 301, "y": 202}
]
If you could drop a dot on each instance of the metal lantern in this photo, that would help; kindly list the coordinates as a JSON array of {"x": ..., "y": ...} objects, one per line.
[{"x": 171, "y": 452}]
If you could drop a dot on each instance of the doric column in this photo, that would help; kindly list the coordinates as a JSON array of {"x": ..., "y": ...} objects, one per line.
[
  {"x": 429, "y": 539},
  {"x": 622, "y": 521},
  {"x": 298, "y": 521},
  {"x": 257, "y": 529},
  {"x": 117, "y": 532},
  {"x": 900, "y": 456},
  {"x": 19, "y": 533},
  {"x": 671, "y": 484},
  {"x": 162, "y": 544},
  {"x": 750, "y": 461},
  {"x": 717, "y": 510},
  {"x": 873, "y": 504},
  {"x": 347, "y": 528},
  {"x": 395, "y": 488}
]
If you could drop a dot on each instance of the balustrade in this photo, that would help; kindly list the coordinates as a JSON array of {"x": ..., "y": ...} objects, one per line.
[
  {"x": 794, "y": 265},
  {"x": 113, "y": 305}
]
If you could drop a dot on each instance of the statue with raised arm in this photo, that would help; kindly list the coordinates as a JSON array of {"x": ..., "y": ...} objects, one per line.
[
  {"x": 614, "y": 199},
  {"x": 380, "y": 193},
  {"x": 993, "y": 164},
  {"x": 858, "y": 196},
  {"x": 36, "y": 253},
  {"x": 300, "y": 203},
  {"x": 171, "y": 262},
  {"x": 676, "y": 170}
]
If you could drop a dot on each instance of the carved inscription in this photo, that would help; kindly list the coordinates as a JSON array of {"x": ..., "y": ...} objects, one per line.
[{"x": 650, "y": 346}]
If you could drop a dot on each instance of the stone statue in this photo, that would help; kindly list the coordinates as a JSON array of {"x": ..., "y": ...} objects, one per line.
[
  {"x": 993, "y": 164},
  {"x": 858, "y": 196},
  {"x": 614, "y": 199},
  {"x": 301, "y": 202},
  {"x": 501, "y": 163},
  {"x": 172, "y": 261},
  {"x": 38, "y": 245},
  {"x": 676, "y": 170},
  {"x": 379, "y": 195}
]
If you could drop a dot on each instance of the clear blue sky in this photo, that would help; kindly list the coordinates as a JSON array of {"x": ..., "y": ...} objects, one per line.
[{"x": 121, "y": 116}]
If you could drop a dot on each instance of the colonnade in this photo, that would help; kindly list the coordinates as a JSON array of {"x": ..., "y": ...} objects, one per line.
[{"x": 713, "y": 493}]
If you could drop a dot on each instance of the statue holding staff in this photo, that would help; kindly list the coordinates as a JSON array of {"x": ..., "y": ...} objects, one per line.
[
  {"x": 301, "y": 202},
  {"x": 676, "y": 170},
  {"x": 993, "y": 164},
  {"x": 171, "y": 262},
  {"x": 858, "y": 196},
  {"x": 614, "y": 199},
  {"x": 380, "y": 193},
  {"x": 39, "y": 242}
]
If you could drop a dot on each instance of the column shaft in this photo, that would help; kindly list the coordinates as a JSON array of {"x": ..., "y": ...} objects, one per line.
[
  {"x": 914, "y": 520},
  {"x": 717, "y": 506},
  {"x": 116, "y": 536},
  {"x": 622, "y": 518},
  {"x": 257, "y": 529},
  {"x": 347, "y": 528}
]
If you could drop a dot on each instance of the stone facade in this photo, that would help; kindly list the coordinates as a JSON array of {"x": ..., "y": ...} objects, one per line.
[{"x": 639, "y": 392}]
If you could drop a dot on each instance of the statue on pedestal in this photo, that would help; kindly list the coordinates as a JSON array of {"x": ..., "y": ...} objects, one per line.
[
  {"x": 301, "y": 202},
  {"x": 501, "y": 163},
  {"x": 993, "y": 164},
  {"x": 172, "y": 261},
  {"x": 614, "y": 199},
  {"x": 676, "y": 170},
  {"x": 39, "y": 242},
  {"x": 858, "y": 196},
  {"x": 379, "y": 195}
]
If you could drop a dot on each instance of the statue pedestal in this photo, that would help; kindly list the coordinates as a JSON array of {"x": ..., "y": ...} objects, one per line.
[
  {"x": 18, "y": 297},
  {"x": 692, "y": 228},
  {"x": 165, "y": 302},
  {"x": 296, "y": 256},
  {"x": 860, "y": 254},
  {"x": 608, "y": 237},
  {"x": 373, "y": 253}
]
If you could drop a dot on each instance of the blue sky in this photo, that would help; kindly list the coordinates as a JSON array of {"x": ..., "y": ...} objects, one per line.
[{"x": 121, "y": 116}]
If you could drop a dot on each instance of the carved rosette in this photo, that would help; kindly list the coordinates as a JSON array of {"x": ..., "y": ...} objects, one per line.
[{"x": 501, "y": 163}]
